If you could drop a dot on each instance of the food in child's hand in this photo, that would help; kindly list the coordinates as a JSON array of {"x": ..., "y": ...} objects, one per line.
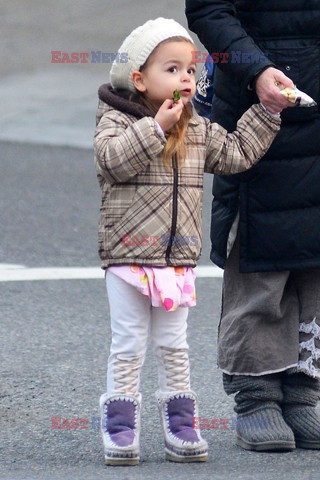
[
  {"x": 176, "y": 96},
  {"x": 297, "y": 97}
]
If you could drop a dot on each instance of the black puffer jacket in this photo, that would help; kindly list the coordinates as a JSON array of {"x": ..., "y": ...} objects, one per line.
[{"x": 278, "y": 199}]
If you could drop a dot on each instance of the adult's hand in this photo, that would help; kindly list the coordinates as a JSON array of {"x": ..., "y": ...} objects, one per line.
[{"x": 268, "y": 85}]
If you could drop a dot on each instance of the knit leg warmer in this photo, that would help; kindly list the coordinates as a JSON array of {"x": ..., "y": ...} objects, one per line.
[
  {"x": 178, "y": 408},
  {"x": 301, "y": 394},
  {"x": 260, "y": 425}
]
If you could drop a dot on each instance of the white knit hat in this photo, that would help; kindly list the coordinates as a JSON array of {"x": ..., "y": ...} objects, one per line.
[{"x": 139, "y": 45}]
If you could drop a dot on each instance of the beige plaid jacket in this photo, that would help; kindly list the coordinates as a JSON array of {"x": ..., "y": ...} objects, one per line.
[{"x": 149, "y": 216}]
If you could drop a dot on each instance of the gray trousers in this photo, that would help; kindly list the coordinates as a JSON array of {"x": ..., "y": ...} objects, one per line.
[{"x": 270, "y": 321}]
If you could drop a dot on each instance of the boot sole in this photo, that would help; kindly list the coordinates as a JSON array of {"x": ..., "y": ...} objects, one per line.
[
  {"x": 186, "y": 458},
  {"x": 308, "y": 444},
  {"x": 280, "y": 446},
  {"x": 122, "y": 461}
]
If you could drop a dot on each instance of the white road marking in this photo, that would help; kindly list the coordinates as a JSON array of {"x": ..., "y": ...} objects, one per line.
[
  {"x": 8, "y": 266},
  {"x": 20, "y": 273},
  {"x": 209, "y": 271}
]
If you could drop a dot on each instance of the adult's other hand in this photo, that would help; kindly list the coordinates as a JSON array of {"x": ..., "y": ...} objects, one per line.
[{"x": 268, "y": 85}]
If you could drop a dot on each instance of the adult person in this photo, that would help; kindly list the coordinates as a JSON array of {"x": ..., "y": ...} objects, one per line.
[{"x": 265, "y": 223}]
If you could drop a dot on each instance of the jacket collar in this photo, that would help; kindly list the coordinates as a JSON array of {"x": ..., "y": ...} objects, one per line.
[
  {"x": 123, "y": 100},
  {"x": 126, "y": 102}
]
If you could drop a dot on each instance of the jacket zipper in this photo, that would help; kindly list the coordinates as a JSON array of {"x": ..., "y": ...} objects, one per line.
[{"x": 174, "y": 209}]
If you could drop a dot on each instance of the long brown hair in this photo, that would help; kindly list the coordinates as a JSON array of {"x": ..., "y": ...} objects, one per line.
[{"x": 176, "y": 136}]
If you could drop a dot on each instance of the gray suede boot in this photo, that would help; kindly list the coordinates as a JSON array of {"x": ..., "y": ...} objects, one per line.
[
  {"x": 301, "y": 394},
  {"x": 260, "y": 425}
]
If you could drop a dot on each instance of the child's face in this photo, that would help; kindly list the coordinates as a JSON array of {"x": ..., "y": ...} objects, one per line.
[{"x": 170, "y": 68}]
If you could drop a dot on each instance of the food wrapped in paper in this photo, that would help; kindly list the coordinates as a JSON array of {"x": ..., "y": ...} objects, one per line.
[{"x": 300, "y": 99}]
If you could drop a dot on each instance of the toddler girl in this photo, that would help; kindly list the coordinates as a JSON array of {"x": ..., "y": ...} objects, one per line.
[{"x": 151, "y": 153}]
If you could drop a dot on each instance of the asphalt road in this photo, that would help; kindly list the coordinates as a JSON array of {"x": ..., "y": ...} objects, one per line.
[{"x": 55, "y": 334}]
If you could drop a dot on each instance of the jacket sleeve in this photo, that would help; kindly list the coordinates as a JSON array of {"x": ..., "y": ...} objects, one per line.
[
  {"x": 216, "y": 24},
  {"x": 236, "y": 152},
  {"x": 123, "y": 149}
]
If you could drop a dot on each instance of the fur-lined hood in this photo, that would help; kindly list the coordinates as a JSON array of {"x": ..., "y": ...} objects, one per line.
[{"x": 123, "y": 100}]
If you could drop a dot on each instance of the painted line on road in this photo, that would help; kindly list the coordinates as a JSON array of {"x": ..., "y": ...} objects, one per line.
[
  {"x": 9, "y": 266},
  {"x": 19, "y": 273}
]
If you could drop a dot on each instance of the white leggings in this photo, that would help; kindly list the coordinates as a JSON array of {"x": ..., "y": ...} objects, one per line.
[{"x": 132, "y": 315}]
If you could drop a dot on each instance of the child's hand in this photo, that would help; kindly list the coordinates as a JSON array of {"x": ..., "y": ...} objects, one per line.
[{"x": 168, "y": 114}]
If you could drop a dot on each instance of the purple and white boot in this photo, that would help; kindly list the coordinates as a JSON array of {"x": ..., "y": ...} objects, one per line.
[
  {"x": 182, "y": 442},
  {"x": 120, "y": 428}
]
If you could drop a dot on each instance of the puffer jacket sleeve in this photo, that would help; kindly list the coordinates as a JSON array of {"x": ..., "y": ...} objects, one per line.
[
  {"x": 218, "y": 28},
  {"x": 236, "y": 152},
  {"x": 124, "y": 148}
]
